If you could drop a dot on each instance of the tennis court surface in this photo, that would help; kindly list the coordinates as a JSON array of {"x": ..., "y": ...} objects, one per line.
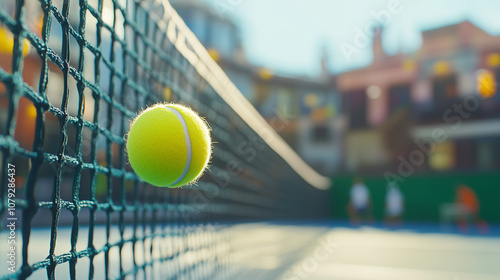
[
  {"x": 295, "y": 251},
  {"x": 74, "y": 74},
  {"x": 375, "y": 253}
]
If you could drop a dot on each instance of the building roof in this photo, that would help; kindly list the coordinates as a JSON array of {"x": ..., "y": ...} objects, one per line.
[
  {"x": 202, "y": 6},
  {"x": 253, "y": 70},
  {"x": 437, "y": 43}
]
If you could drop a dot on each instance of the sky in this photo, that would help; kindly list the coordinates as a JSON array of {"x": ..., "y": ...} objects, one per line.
[{"x": 289, "y": 36}]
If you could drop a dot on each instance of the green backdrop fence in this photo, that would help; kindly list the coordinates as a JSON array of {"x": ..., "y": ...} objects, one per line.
[{"x": 423, "y": 193}]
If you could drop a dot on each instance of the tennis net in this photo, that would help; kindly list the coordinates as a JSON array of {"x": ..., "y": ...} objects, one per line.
[{"x": 73, "y": 74}]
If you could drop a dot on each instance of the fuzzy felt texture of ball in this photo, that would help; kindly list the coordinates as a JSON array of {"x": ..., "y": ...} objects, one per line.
[{"x": 169, "y": 145}]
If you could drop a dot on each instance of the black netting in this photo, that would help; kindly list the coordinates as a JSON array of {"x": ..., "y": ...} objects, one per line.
[{"x": 73, "y": 74}]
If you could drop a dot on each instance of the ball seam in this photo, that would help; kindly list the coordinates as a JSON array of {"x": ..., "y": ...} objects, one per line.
[{"x": 187, "y": 139}]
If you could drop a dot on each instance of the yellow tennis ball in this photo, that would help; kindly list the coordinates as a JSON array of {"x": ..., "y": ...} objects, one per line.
[{"x": 169, "y": 145}]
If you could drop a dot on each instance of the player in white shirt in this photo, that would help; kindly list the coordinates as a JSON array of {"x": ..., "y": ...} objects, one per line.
[
  {"x": 394, "y": 204},
  {"x": 359, "y": 207}
]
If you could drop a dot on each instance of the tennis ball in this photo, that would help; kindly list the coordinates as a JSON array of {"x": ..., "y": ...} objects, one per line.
[{"x": 169, "y": 145}]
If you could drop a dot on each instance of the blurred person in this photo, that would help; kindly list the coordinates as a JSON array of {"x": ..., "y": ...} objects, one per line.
[
  {"x": 467, "y": 199},
  {"x": 394, "y": 205},
  {"x": 359, "y": 207}
]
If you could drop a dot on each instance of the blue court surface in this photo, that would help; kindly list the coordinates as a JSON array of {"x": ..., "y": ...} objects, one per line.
[
  {"x": 416, "y": 251},
  {"x": 283, "y": 250}
]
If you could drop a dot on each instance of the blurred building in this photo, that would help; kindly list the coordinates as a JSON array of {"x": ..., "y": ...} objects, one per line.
[
  {"x": 437, "y": 109},
  {"x": 303, "y": 110}
]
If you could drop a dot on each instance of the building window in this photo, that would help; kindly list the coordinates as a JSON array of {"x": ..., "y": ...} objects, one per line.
[
  {"x": 488, "y": 154},
  {"x": 466, "y": 151},
  {"x": 356, "y": 108},
  {"x": 399, "y": 98},
  {"x": 264, "y": 101},
  {"x": 321, "y": 133},
  {"x": 445, "y": 87},
  {"x": 261, "y": 93},
  {"x": 443, "y": 156},
  {"x": 496, "y": 97},
  {"x": 287, "y": 102},
  {"x": 222, "y": 38}
]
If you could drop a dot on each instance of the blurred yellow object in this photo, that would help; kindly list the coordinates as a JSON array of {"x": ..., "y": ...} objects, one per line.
[
  {"x": 443, "y": 156},
  {"x": 7, "y": 42},
  {"x": 167, "y": 93},
  {"x": 494, "y": 59},
  {"x": 39, "y": 25},
  {"x": 441, "y": 67},
  {"x": 311, "y": 100},
  {"x": 214, "y": 54},
  {"x": 31, "y": 111},
  {"x": 486, "y": 83},
  {"x": 265, "y": 74},
  {"x": 409, "y": 65}
]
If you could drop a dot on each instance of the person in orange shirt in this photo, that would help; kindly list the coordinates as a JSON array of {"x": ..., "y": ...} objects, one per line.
[{"x": 467, "y": 199}]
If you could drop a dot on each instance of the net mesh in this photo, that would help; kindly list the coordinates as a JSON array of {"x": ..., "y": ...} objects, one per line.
[{"x": 73, "y": 74}]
